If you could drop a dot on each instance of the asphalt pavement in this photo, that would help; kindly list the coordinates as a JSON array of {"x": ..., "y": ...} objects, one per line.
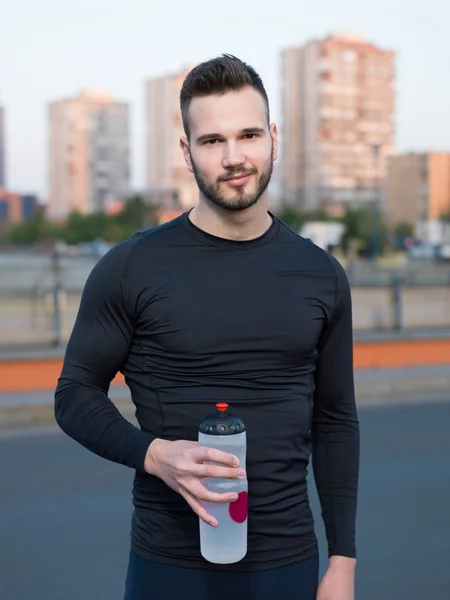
[{"x": 65, "y": 513}]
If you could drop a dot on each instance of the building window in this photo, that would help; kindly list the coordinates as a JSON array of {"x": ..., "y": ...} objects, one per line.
[{"x": 349, "y": 56}]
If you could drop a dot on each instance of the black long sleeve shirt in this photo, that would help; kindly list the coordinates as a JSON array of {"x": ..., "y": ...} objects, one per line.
[{"x": 191, "y": 319}]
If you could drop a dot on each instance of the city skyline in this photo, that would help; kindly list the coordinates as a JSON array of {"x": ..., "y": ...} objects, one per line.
[{"x": 118, "y": 48}]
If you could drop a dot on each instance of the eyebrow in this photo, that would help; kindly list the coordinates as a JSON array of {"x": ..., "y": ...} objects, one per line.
[{"x": 210, "y": 136}]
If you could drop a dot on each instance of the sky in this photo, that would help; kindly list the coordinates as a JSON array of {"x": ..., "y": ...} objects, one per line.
[{"x": 52, "y": 49}]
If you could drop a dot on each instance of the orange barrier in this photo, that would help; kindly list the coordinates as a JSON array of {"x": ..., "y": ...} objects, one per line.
[
  {"x": 42, "y": 374},
  {"x": 401, "y": 353},
  {"x": 33, "y": 375}
]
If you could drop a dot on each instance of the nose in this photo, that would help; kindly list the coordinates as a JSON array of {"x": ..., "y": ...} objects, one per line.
[{"x": 232, "y": 157}]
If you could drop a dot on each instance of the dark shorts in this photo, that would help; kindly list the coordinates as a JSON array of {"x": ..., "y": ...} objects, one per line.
[{"x": 149, "y": 580}]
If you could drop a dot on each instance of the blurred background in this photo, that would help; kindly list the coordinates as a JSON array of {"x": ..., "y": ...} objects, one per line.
[{"x": 89, "y": 154}]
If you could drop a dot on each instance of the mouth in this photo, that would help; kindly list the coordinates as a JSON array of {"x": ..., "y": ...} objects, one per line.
[{"x": 238, "y": 179}]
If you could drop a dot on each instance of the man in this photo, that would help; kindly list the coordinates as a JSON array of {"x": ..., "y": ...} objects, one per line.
[{"x": 224, "y": 303}]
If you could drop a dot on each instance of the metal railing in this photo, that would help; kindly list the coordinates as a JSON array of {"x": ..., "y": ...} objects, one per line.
[{"x": 40, "y": 294}]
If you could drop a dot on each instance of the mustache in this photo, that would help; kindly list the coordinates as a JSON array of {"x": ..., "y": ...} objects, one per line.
[{"x": 233, "y": 174}]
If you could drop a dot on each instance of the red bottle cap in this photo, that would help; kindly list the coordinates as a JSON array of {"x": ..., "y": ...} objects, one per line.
[{"x": 221, "y": 406}]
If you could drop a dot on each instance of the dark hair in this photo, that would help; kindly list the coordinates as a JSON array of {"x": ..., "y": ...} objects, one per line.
[{"x": 219, "y": 75}]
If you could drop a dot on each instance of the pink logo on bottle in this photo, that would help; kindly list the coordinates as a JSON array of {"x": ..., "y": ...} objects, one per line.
[{"x": 238, "y": 510}]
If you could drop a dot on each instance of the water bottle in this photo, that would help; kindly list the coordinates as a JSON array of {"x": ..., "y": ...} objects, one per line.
[{"x": 226, "y": 543}]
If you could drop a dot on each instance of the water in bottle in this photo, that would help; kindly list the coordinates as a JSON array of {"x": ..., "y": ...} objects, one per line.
[{"x": 226, "y": 543}]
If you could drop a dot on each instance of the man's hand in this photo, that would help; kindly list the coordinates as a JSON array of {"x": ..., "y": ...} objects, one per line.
[
  {"x": 338, "y": 583},
  {"x": 180, "y": 465}
]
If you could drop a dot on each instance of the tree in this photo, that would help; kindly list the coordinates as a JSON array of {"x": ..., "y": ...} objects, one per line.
[
  {"x": 366, "y": 227},
  {"x": 81, "y": 228},
  {"x": 84, "y": 228},
  {"x": 137, "y": 214},
  {"x": 294, "y": 218},
  {"x": 404, "y": 230},
  {"x": 445, "y": 217},
  {"x": 320, "y": 215},
  {"x": 34, "y": 230}
]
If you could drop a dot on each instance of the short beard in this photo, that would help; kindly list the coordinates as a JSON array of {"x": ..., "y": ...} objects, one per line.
[{"x": 241, "y": 199}]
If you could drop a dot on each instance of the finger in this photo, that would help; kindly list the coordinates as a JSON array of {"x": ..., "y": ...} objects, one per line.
[
  {"x": 205, "y": 454},
  {"x": 199, "y": 509},
  {"x": 200, "y": 492},
  {"x": 207, "y": 470}
]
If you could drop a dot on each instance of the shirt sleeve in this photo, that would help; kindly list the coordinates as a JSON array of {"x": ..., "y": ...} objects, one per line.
[
  {"x": 335, "y": 425},
  {"x": 96, "y": 352}
]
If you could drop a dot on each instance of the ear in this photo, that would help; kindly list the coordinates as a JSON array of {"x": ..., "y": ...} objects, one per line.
[
  {"x": 184, "y": 145},
  {"x": 274, "y": 136}
]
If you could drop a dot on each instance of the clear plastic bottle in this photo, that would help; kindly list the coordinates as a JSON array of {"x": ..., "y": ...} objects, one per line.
[{"x": 226, "y": 543}]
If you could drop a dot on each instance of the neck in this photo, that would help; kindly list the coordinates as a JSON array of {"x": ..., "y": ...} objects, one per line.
[{"x": 239, "y": 226}]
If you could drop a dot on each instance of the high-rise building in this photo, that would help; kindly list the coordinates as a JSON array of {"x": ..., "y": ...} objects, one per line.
[
  {"x": 15, "y": 208},
  {"x": 2, "y": 148},
  {"x": 89, "y": 153},
  {"x": 417, "y": 188},
  {"x": 338, "y": 103},
  {"x": 166, "y": 167}
]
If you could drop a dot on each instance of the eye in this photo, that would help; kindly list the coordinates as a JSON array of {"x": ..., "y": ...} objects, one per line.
[
  {"x": 211, "y": 142},
  {"x": 250, "y": 136}
]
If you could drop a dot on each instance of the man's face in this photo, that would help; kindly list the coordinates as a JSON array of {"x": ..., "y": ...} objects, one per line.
[{"x": 232, "y": 148}]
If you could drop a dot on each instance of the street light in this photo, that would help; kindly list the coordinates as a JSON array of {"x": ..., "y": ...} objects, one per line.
[{"x": 376, "y": 204}]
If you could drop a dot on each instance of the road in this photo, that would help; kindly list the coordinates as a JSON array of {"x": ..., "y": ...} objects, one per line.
[{"x": 65, "y": 513}]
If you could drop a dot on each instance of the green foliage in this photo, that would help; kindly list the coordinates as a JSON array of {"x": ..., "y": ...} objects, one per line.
[
  {"x": 404, "y": 230},
  {"x": 80, "y": 228},
  {"x": 84, "y": 228},
  {"x": 366, "y": 227},
  {"x": 37, "y": 229},
  {"x": 293, "y": 218},
  {"x": 445, "y": 217},
  {"x": 137, "y": 214}
]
